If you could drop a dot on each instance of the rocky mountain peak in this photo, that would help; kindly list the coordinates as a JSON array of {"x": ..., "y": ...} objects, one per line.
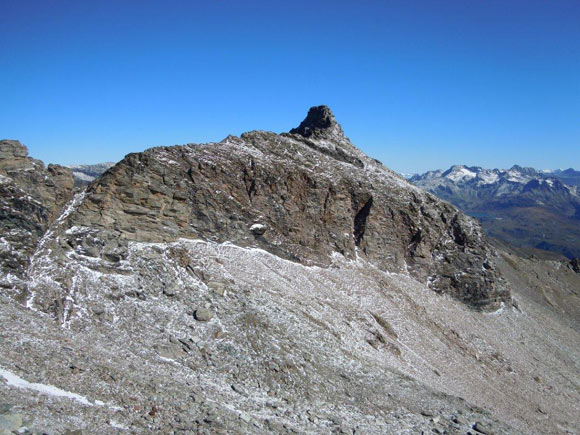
[
  {"x": 269, "y": 284},
  {"x": 307, "y": 200},
  {"x": 524, "y": 171},
  {"x": 320, "y": 122}
]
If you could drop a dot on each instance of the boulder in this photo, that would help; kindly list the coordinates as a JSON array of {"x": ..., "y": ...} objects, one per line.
[{"x": 202, "y": 315}]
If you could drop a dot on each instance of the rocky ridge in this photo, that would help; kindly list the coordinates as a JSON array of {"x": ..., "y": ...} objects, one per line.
[
  {"x": 467, "y": 185},
  {"x": 280, "y": 284},
  {"x": 31, "y": 197},
  {"x": 302, "y": 196}
]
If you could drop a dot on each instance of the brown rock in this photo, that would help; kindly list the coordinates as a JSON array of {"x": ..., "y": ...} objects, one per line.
[
  {"x": 313, "y": 190},
  {"x": 31, "y": 197}
]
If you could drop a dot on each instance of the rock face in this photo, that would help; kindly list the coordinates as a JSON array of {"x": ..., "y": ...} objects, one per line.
[
  {"x": 302, "y": 196},
  {"x": 319, "y": 124},
  {"x": 31, "y": 197}
]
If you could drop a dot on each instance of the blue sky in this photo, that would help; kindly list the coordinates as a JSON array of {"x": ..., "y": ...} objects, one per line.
[{"x": 417, "y": 84}]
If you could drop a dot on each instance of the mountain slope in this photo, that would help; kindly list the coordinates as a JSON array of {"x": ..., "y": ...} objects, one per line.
[
  {"x": 522, "y": 206},
  {"x": 568, "y": 176},
  {"x": 281, "y": 284},
  {"x": 299, "y": 197}
]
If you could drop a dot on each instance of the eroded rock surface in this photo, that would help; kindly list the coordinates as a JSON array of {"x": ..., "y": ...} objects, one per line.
[
  {"x": 302, "y": 196},
  {"x": 31, "y": 197}
]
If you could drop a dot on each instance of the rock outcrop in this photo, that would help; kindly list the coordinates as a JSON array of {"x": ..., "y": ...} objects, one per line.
[
  {"x": 302, "y": 196},
  {"x": 575, "y": 265},
  {"x": 31, "y": 197}
]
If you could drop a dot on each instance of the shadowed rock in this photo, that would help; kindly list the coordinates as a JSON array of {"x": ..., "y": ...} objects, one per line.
[{"x": 319, "y": 122}]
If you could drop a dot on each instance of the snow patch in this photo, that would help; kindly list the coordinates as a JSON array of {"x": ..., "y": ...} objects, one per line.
[
  {"x": 82, "y": 176},
  {"x": 487, "y": 177},
  {"x": 461, "y": 174},
  {"x": 13, "y": 380},
  {"x": 499, "y": 311},
  {"x": 118, "y": 425}
]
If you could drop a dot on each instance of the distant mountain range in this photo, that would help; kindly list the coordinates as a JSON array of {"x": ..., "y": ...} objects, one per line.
[
  {"x": 84, "y": 174},
  {"x": 523, "y": 206},
  {"x": 568, "y": 176}
]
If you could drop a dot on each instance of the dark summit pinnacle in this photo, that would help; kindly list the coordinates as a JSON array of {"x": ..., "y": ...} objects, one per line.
[{"x": 319, "y": 122}]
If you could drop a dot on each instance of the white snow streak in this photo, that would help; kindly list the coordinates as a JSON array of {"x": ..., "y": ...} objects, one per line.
[{"x": 16, "y": 381}]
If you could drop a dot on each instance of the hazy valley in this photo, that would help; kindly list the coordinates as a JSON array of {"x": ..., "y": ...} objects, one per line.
[{"x": 521, "y": 206}]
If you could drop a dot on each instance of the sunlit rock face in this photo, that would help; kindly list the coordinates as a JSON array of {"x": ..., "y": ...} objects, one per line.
[{"x": 312, "y": 194}]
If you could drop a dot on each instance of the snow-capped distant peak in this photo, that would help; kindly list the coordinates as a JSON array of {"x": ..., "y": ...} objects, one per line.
[
  {"x": 459, "y": 173},
  {"x": 493, "y": 183},
  {"x": 487, "y": 177},
  {"x": 516, "y": 176}
]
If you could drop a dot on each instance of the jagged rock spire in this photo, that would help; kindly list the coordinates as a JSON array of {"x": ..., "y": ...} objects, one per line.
[{"x": 319, "y": 122}]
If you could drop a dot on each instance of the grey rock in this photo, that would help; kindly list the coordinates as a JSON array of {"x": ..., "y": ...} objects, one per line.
[
  {"x": 238, "y": 389},
  {"x": 217, "y": 287},
  {"x": 457, "y": 420},
  {"x": 170, "y": 351},
  {"x": 10, "y": 149},
  {"x": 258, "y": 229},
  {"x": 202, "y": 315},
  {"x": 98, "y": 309},
  {"x": 336, "y": 420},
  {"x": 169, "y": 291},
  {"x": 482, "y": 428}
]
